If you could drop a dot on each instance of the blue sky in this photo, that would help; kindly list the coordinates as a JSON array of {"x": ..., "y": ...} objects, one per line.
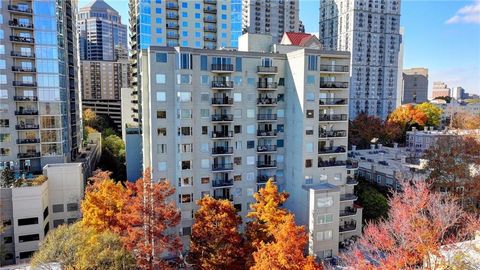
[{"x": 441, "y": 35}]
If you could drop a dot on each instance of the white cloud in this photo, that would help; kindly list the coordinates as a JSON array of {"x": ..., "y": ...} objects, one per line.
[{"x": 467, "y": 14}]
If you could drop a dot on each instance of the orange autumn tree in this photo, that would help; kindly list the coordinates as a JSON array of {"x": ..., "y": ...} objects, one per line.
[
  {"x": 407, "y": 115},
  {"x": 152, "y": 216},
  {"x": 419, "y": 222},
  {"x": 215, "y": 241},
  {"x": 105, "y": 204}
]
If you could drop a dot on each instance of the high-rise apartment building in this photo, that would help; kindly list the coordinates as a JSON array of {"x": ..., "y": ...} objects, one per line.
[
  {"x": 415, "y": 85},
  {"x": 271, "y": 17},
  {"x": 39, "y": 93},
  {"x": 101, "y": 32},
  {"x": 221, "y": 123},
  {"x": 458, "y": 93},
  {"x": 370, "y": 30},
  {"x": 440, "y": 89}
]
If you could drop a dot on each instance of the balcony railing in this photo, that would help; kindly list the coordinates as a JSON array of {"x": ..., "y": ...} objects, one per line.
[
  {"x": 172, "y": 35},
  {"x": 266, "y": 101},
  {"x": 26, "y": 127},
  {"x": 332, "y": 133},
  {"x": 262, "y": 69},
  {"x": 348, "y": 211},
  {"x": 26, "y": 141},
  {"x": 20, "y": 8},
  {"x": 222, "y": 150},
  {"x": 332, "y": 149},
  {"x": 265, "y": 178},
  {"x": 171, "y": 5},
  {"x": 266, "y": 164},
  {"x": 172, "y": 26},
  {"x": 209, "y": 29},
  {"x": 28, "y": 155},
  {"x": 26, "y": 112},
  {"x": 22, "y": 54},
  {"x": 211, "y": 2},
  {"x": 210, "y": 10},
  {"x": 223, "y": 197},
  {"x": 222, "y": 117},
  {"x": 352, "y": 164},
  {"x": 222, "y": 134},
  {"x": 210, "y": 19},
  {"x": 172, "y": 16},
  {"x": 222, "y": 67},
  {"x": 222, "y": 182},
  {"x": 333, "y": 84},
  {"x": 22, "y": 39},
  {"x": 267, "y": 133},
  {"x": 331, "y": 163},
  {"x": 351, "y": 181},
  {"x": 267, "y": 116},
  {"x": 20, "y": 83},
  {"x": 16, "y": 23},
  {"x": 334, "y": 68},
  {"x": 348, "y": 197},
  {"x": 222, "y": 84},
  {"x": 222, "y": 166},
  {"x": 222, "y": 101},
  {"x": 23, "y": 69},
  {"x": 267, "y": 85},
  {"x": 333, "y": 101},
  {"x": 348, "y": 226},
  {"x": 25, "y": 98},
  {"x": 207, "y": 38},
  {"x": 266, "y": 148},
  {"x": 333, "y": 117}
]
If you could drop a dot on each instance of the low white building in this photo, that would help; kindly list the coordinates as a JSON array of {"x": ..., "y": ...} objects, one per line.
[{"x": 418, "y": 141}]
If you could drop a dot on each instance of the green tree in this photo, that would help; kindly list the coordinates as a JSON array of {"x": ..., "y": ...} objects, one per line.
[
  {"x": 374, "y": 203},
  {"x": 6, "y": 177},
  {"x": 432, "y": 112},
  {"x": 113, "y": 157}
]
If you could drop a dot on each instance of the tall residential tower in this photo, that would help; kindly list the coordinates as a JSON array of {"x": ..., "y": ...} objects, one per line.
[{"x": 370, "y": 30}]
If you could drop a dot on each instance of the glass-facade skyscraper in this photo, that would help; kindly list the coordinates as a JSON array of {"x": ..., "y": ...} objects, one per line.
[{"x": 39, "y": 94}]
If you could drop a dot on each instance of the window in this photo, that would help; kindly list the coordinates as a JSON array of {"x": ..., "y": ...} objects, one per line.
[
  {"x": 160, "y": 78},
  {"x": 184, "y": 79},
  {"x": 184, "y": 114},
  {"x": 312, "y": 62},
  {"x": 324, "y": 202},
  {"x": 310, "y": 113},
  {"x": 281, "y": 113},
  {"x": 161, "y": 148},
  {"x": 310, "y": 79},
  {"x": 309, "y": 147},
  {"x": 184, "y": 96},
  {"x": 204, "y": 130},
  {"x": 280, "y": 143},
  {"x": 238, "y": 145},
  {"x": 205, "y": 163},
  {"x": 45, "y": 213},
  {"x": 250, "y": 160},
  {"x": 58, "y": 222},
  {"x": 72, "y": 207},
  {"x": 204, "y": 148},
  {"x": 28, "y": 238},
  {"x": 161, "y": 57},
  {"x": 204, "y": 113},
  {"x": 185, "y": 198},
  {"x": 250, "y": 144},
  {"x": 162, "y": 131},
  {"x": 203, "y": 62},
  {"x": 324, "y": 218},
  {"x": 186, "y": 164},
  {"x": 5, "y": 137},
  {"x": 205, "y": 180},
  {"x": 309, "y": 130},
  {"x": 186, "y": 231},
  {"x": 161, "y": 114},
  {"x": 238, "y": 64},
  {"x": 266, "y": 62},
  {"x": 7, "y": 240},
  {"x": 308, "y": 163},
  {"x": 204, "y": 97},
  {"x": 161, "y": 96},
  {"x": 204, "y": 79},
  {"x": 186, "y": 61},
  {"x": 27, "y": 221},
  {"x": 308, "y": 180},
  {"x": 3, "y": 94},
  {"x": 237, "y": 97},
  {"x": 237, "y": 113},
  {"x": 237, "y": 160},
  {"x": 185, "y": 131},
  {"x": 251, "y": 113},
  {"x": 185, "y": 181},
  {"x": 281, "y": 81},
  {"x": 26, "y": 254},
  {"x": 237, "y": 129},
  {"x": 325, "y": 235},
  {"x": 310, "y": 96},
  {"x": 3, "y": 79}
]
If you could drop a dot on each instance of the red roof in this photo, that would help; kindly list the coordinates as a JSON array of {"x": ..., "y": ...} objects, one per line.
[{"x": 298, "y": 38}]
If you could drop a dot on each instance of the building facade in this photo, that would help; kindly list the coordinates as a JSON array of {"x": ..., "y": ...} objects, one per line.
[
  {"x": 371, "y": 32},
  {"x": 415, "y": 85},
  {"x": 40, "y": 113},
  {"x": 440, "y": 89},
  {"x": 458, "y": 93},
  {"x": 271, "y": 17},
  {"x": 102, "y": 35},
  {"x": 217, "y": 125}
]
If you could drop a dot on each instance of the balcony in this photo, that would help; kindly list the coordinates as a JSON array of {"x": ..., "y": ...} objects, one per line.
[
  {"x": 22, "y": 39},
  {"x": 210, "y": 20},
  {"x": 222, "y": 68},
  {"x": 210, "y": 29},
  {"x": 173, "y": 35},
  {"x": 267, "y": 85},
  {"x": 266, "y": 101},
  {"x": 267, "y": 117},
  {"x": 24, "y": 84},
  {"x": 22, "y": 54},
  {"x": 216, "y": 167},
  {"x": 333, "y": 117},
  {"x": 210, "y": 10},
  {"x": 222, "y": 117},
  {"x": 347, "y": 226},
  {"x": 222, "y": 134},
  {"x": 332, "y": 150},
  {"x": 222, "y": 84},
  {"x": 222, "y": 150},
  {"x": 333, "y": 101},
  {"x": 223, "y": 197},
  {"x": 266, "y": 148},
  {"x": 348, "y": 211},
  {"x": 222, "y": 101},
  {"x": 25, "y": 98},
  {"x": 27, "y": 141},
  {"x": 352, "y": 165},
  {"x": 267, "y": 70},
  {"x": 222, "y": 182},
  {"x": 351, "y": 181},
  {"x": 334, "y": 68},
  {"x": 333, "y": 85},
  {"x": 331, "y": 163},
  {"x": 210, "y": 2},
  {"x": 172, "y": 26},
  {"x": 332, "y": 133},
  {"x": 15, "y": 23},
  {"x": 266, "y": 133},
  {"x": 21, "y": 9},
  {"x": 172, "y": 16},
  {"x": 171, "y": 5},
  {"x": 26, "y": 127},
  {"x": 26, "y": 112},
  {"x": 267, "y": 164},
  {"x": 348, "y": 197},
  {"x": 262, "y": 179},
  {"x": 23, "y": 69},
  {"x": 210, "y": 38},
  {"x": 28, "y": 155}
]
